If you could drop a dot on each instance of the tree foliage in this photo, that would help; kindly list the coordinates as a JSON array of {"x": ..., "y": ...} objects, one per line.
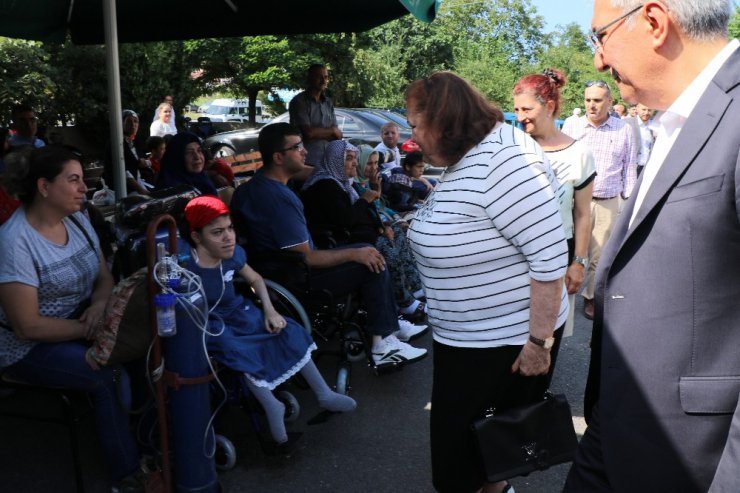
[
  {"x": 735, "y": 24},
  {"x": 492, "y": 43},
  {"x": 25, "y": 76}
]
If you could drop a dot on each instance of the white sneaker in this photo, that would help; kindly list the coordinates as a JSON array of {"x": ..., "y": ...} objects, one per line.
[
  {"x": 391, "y": 350},
  {"x": 407, "y": 331}
]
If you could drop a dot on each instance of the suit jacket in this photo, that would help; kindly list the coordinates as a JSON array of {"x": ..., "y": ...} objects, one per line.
[{"x": 666, "y": 348}]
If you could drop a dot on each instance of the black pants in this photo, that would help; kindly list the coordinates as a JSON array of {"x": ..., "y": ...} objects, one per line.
[{"x": 467, "y": 381}]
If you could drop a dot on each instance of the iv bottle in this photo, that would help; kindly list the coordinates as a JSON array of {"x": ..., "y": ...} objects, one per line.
[{"x": 165, "y": 305}]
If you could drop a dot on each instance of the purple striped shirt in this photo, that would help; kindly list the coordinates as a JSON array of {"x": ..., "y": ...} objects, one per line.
[{"x": 612, "y": 144}]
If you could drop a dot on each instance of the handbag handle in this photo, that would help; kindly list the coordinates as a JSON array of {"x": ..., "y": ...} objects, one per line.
[{"x": 491, "y": 411}]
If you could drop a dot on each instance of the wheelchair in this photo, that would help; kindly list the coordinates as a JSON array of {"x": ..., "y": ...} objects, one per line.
[{"x": 330, "y": 319}]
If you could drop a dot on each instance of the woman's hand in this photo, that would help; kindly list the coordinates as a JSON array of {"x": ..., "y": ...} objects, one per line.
[
  {"x": 574, "y": 277},
  {"x": 274, "y": 322},
  {"x": 532, "y": 360},
  {"x": 375, "y": 180},
  {"x": 403, "y": 224},
  {"x": 388, "y": 233},
  {"x": 92, "y": 319},
  {"x": 370, "y": 196}
]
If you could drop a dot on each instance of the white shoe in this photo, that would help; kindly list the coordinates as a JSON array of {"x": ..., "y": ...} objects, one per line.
[
  {"x": 392, "y": 351},
  {"x": 407, "y": 331}
]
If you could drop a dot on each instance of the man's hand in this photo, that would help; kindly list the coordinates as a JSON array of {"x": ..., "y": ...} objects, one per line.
[
  {"x": 533, "y": 360},
  {"x": 574, "y": 277},
  {"x": 370, "y": 258},
  {"x": 336, "y": 133},
  {"x": 388, "y": 233}
]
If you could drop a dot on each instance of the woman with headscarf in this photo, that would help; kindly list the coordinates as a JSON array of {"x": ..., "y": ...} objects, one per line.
[
  {"x": 334, "y": 208},
  {"x": 183, "y": 164}
]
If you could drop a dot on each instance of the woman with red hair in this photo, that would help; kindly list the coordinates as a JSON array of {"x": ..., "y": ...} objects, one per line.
[{"x": 537, "y": 105}]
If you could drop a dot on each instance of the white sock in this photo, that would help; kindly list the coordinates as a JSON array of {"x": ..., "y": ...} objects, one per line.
[
  {"x": 419, "y": 294},
  {"x": 410, "y": 308}
]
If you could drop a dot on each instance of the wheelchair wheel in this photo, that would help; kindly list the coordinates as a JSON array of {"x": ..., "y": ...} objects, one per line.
[
  {"x": 353, "y": 346},
  {"x": 292, "y": 407},
  {"x": 225, "y": 457},
  {"x": 343, "y": 374},
  {"x": 288, "y": 305}
]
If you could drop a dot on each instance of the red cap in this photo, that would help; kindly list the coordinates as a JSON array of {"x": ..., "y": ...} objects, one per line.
[{"x": 201, "y": 211}]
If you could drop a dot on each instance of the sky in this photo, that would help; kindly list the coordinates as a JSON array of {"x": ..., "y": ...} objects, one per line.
[{"x": 564, "y": 12}]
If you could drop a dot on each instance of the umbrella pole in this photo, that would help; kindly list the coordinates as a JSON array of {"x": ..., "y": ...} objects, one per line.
[{"x": 114, "y": 97}]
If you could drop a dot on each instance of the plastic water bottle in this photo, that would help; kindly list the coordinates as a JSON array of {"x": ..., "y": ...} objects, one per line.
[{"x": 165, "y": 305}]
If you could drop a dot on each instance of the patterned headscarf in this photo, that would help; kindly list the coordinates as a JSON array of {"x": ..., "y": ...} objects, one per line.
[
  {"x": 365, "y": 152},
  {"x": 172, "y": 169},
  {"x": 332, "y": 168}
]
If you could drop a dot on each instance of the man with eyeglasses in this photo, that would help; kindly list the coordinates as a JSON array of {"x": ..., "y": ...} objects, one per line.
[
  {"x": 25, "y": 124},
  {"x": 663, "y": 386},
  {"x": 271, "y": 218},
  {"x": 313, "y": 112},
  {"x": 611, "y": 142}
]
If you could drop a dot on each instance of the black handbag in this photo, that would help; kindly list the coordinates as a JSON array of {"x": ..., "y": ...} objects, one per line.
[{"x": 520, "y": 440}]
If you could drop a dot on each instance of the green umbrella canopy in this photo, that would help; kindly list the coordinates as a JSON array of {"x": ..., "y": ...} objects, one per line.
[{"x": 164, "y": 20}]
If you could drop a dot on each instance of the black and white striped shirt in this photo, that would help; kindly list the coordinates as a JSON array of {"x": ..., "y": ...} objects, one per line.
[{"x": 491, "y": 224}]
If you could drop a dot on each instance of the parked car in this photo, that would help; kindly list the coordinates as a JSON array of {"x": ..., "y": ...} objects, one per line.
[
  {"x": 233, "y": 110},
  {"x": 358, "y": 125}
]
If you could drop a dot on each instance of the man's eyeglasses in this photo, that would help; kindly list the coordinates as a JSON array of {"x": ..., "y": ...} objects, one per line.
[
  {"x": 597, "y": 83},
  {"x": 297, "y": 147},
  {"x": 596, "y": 35}
]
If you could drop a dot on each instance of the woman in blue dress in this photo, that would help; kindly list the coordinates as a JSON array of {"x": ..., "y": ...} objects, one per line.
[{"x": 266, "y": 347}]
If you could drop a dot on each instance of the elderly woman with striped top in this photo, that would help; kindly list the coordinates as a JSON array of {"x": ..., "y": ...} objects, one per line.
[{"x": 492, "y": 254}]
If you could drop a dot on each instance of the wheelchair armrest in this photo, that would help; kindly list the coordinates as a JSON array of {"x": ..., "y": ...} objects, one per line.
[
  {"x": 285, "y": 267},
  {"x": 326, "y": 239}
]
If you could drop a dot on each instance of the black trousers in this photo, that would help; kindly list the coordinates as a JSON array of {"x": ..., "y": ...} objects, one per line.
[{"x": 467, "y": 381}]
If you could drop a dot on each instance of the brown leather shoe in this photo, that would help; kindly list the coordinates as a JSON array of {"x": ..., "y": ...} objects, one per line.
[{"x": 588, "y": 308}]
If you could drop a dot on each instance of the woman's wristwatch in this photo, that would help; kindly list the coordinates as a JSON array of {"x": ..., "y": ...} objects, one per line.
[
  {"x": 545, "y": 343},
  {"x": 581, "y": 260}
]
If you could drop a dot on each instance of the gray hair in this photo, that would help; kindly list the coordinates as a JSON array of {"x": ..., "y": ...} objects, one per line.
[{"x": 703, "y": 20}]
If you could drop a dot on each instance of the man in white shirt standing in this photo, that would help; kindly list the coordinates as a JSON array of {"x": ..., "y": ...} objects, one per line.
[
  {"x": 663, "y": 386},
  {"x": 644, "y": 115},
  {"x": 390, "y": 156}
]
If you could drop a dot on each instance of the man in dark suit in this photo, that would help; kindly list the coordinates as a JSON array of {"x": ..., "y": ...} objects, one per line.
[{"x": 665, "y": 370}]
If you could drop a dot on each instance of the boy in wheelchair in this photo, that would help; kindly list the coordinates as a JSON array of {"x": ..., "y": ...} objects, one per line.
[{"x": 267, "y": 348}]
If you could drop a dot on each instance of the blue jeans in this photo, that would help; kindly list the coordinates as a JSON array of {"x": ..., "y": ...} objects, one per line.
[
  {"x": 62, "y": 364},
  {"x": 376, "y": 291}
]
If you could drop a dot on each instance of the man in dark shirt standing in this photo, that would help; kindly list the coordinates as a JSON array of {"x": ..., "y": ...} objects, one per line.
[{"x": 313, "y": 112}]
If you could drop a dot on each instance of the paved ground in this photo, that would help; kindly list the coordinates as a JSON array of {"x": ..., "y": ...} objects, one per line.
[{"x": 382, "y": 447}]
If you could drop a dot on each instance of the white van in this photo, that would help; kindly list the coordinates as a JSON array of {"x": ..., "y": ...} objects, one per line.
[{"x": 234, "y": 110}]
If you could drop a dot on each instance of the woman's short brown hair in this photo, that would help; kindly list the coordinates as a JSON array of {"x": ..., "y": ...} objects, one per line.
[{"x": 457, "y": 114}]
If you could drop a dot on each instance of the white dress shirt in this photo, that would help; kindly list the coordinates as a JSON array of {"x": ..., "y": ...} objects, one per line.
[{"x": 667, "y": 125}]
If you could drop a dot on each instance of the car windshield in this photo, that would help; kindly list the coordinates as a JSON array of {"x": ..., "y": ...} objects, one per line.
[
  {"x": 218, "y": 110},
  {"x": 396, "y": 117}
]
